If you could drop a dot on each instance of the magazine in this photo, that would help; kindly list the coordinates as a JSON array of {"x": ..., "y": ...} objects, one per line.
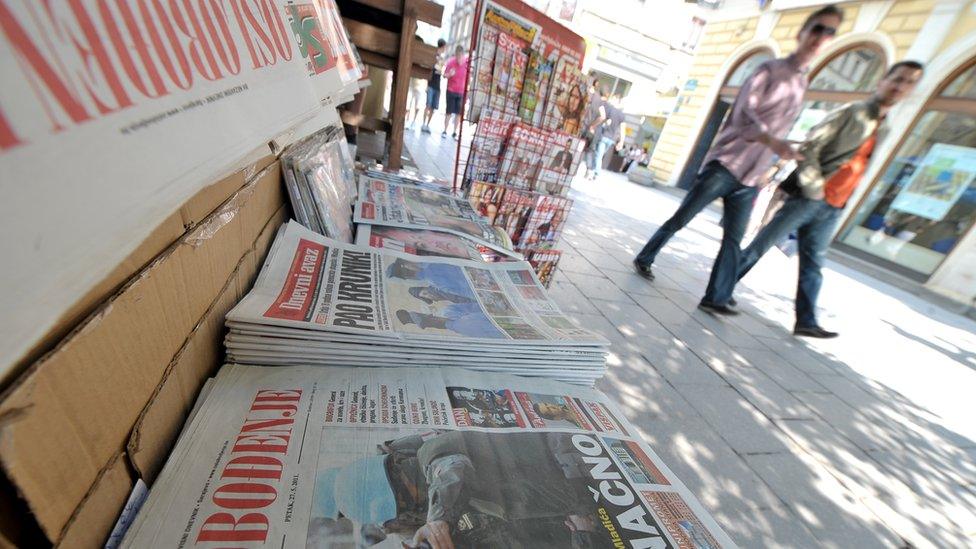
[
  {"x": 567, "y": 98},
  {"x": 508, "y": 75},
  {"x": 411, "y": 207},
  {"x": 544, "y": 262},
  {"x": 537, "y": 75},
  {"x": 545, "y": 223},
  {"x": 332, "y": 458},
  {"x": 486, "y": 146}
]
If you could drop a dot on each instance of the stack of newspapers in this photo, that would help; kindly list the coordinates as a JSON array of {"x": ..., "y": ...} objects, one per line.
[
  {"x": 321, "y": 182},
  {"x": 342, "y": 458},
  {"x": 323, "y": 302}
]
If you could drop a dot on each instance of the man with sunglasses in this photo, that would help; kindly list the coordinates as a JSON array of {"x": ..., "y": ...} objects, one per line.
[
  {"x": 836, "y": 154},
  {"x": 763, "y": 112}
]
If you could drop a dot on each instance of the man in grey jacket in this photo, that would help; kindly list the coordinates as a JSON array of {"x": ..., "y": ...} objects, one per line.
[{"x": 835, "y": 157}]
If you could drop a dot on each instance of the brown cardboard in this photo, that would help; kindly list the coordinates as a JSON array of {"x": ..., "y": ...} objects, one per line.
[
  {"x": 195, "y": 209},
  {"x": 72, "y": 411},
  {"x": 161, "y": 420},
  {"x": 92, "y": 522}
]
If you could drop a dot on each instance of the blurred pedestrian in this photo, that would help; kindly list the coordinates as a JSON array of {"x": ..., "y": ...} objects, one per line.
[
  {"x": 456, "y": 72},
  {"x": 763, "y": 112},
  {"x": 434, "y": 84},
  {"x": 836, "y": 155}
]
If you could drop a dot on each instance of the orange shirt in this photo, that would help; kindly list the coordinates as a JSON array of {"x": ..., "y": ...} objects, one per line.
[{"x": 839, "y": 188}]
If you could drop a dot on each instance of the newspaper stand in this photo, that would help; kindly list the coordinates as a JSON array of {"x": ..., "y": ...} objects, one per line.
[{"x": 526, "y": 93}]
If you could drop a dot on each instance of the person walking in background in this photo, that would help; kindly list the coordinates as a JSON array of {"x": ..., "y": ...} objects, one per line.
[
  {"x": 765, "y": 108},
  {"x": 610, "y": 133},
  {"x": 836, "y": 154},
  {"x": 593, "y": 117},
  {"x": 434, "y": 85},
  {"x": 456, "y": 71}
]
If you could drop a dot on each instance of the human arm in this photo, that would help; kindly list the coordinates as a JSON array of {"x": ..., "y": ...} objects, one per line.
[
  {"x": 752, "y": 94},
  {"x": 811, "y": 178},
  {"x": 600, "y": 119}
]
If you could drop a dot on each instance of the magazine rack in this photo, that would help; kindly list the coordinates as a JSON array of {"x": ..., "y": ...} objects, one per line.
[{"x": 526, "y": 93}]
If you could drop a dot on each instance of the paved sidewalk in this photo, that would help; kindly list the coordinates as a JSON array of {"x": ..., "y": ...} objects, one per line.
[{"x": 860, "y": 442}]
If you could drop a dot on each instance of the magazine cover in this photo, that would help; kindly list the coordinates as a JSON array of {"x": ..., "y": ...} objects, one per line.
[
  {"x": 486, "y": 199},
  {"x": 484, "y": 67},
  {"x": 486, "y": 146},
  {"x": 313, "y": 283},
  {"x": 513, "y": 213},
  {"x": 350, "y": 458},
  {"x": 524, "y": 156},
  {"x": 545, "y": 223},
  {"x": 567, "y": 98},
  {"x": 537, "y": 72},
  {"x": 544, "y": 262},
  {"x": 407, "y": 206},
  {"x": 560, "y": 163},
  {"x": 508, "y": 75}
]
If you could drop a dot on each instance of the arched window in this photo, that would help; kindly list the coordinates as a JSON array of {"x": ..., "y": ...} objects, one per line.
[
  {"x": 925, "y": 200},
  {"x": 730, "y": 88},
  {"x": 850, "y": 75}
]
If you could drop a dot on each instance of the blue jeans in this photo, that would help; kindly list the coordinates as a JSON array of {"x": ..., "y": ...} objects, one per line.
[
  {"x": 601, "y": 149},
  {"x": 814, "y": 222},
  {"x": 713, "y": 182}
]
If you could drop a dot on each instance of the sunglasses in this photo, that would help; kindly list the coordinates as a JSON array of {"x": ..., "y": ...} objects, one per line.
[{"x": 820, "y": 28}]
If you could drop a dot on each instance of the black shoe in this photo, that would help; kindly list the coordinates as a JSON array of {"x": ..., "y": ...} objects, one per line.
[
  {"x": 453, "y": 136},
  {"x": 814, "y": 331},
  {"x": 733, "y": 302},
  {"x": 716, "y": 309},
  {"x": 643, "y": 270}
]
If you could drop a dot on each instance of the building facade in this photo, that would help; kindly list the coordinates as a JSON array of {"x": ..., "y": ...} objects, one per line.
[{"x": 915, "y": 212}]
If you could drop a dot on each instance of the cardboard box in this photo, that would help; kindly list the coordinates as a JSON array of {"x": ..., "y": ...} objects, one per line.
[{"x": 68, "y": 424}]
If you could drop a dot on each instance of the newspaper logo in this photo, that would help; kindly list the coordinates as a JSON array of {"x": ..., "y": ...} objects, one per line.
[
  {"x": 680, "y": 521},
  {"x": 637, "y": 464},
  {"x": 301, "y": 287}
]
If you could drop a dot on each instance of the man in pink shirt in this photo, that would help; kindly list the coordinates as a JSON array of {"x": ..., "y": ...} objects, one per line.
[
  {"x": 764, "y": 110},
  {"x": 456, "y": 71}
]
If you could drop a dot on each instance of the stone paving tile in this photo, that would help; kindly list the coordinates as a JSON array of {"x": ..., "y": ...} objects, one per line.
[
  {"x": 930, "y": 479},
  {"x": 771, "y": 527},
  {"x": 797, "y": 355},
  {"x": 738, "y": 422},
  {"x": 849, "y": 464},
  {"x": 597, "y": 287},
  {"x": 765, "y": 394},
  {"x": 575, "y": 263},
  {"x": 862, "y": 431},
  {"x": 677, "y": 363},
  {"x": 661, "y": 308},
  {"x": 727, "y": 330},
  {"x": 917, "y": 520},
  {"x": 569, "y": 298},
  {"x": 629, "y": 282},
  {"x": 630, "y": 319},
  {"x": 795, "y": 477},
  {"x": 844, "y": 525},
  {"x": 782, "y": 372}
]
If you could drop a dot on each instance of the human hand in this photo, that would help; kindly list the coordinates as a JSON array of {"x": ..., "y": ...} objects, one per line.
[
  {"x": 437, "y": 534},
  {"x": 783, "y": 149}
]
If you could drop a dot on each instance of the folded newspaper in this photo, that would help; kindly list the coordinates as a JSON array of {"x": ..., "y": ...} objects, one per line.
[
  {"x": 424, "y": 242},
  {"x": 394, "y": 458},
  {"x": 321, "y": 182},
  {"x": 383, "y": 202},
  {"x": 324, "y": 302}
]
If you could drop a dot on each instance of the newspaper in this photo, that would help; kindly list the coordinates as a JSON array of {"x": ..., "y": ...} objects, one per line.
[
  {"x": 411, "y": 207},
  {"x": 313, "y": 283},
  {"x": 393, "y": 458},
  {"x": 428, "y": 243},
  {"x": 320, "y": 181}
]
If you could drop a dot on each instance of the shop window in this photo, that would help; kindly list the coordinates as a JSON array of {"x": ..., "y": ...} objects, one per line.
[
  {"x": 925, "y": 201},
  {"x": 855, "y": 70}
]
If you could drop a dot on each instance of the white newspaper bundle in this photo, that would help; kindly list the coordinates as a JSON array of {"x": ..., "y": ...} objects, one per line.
[
  {"x": 382, "y": 202},
  {"x": 320, "y": 301},
  {"x": 391, "y": 458},
  {"x": 321, "y": 182},
  {"x": 425, "y": 243}
]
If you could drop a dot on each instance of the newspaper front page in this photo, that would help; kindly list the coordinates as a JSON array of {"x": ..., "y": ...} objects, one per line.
[
  {"x": 394, "y": 458},
  {"x": 407, "y": 206},
  {"x": 311, "y": 282}
]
